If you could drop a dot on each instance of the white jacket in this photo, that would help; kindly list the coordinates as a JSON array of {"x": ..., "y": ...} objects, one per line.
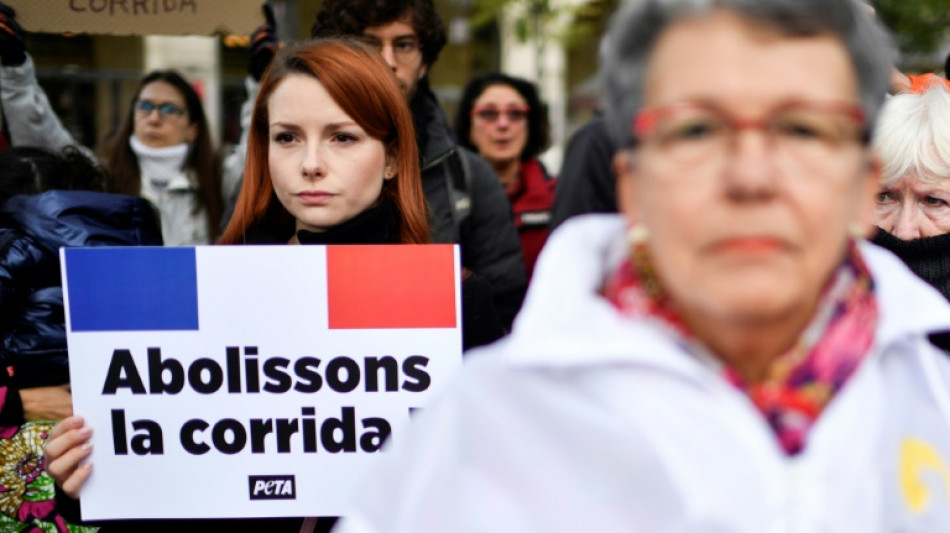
[
  {"x": 32, "y": 122},
  {"x": 181, "y": 226},
  {"x": 584, "y": 421}
]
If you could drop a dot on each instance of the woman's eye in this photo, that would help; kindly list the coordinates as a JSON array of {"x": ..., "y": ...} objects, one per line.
[
  {"x": 344, "y": 138},
  {"x": 801, "y": 131},
  {"x": 884, "y": 197},
  {"x": 691, "y": 130},
  {"x": 283, "y": 138},
  {"x": 809, "y": 127},
  {"x": 932, "y": 201}
]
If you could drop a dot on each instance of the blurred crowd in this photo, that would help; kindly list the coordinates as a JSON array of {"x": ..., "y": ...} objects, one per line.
[{"x": 740, "y": 324}]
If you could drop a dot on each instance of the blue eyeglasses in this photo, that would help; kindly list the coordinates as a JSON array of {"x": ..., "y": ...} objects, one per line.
[{"x": 145, "y": 108}]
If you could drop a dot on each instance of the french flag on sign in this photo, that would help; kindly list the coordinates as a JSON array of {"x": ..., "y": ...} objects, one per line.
[{"x": 157, "y": 289}]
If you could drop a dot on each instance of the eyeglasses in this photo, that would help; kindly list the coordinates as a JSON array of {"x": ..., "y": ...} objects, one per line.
[
  {"x": 491, "y": 114},
  {"x": 145, "y": 108},
  {"x": 799, "y": 133},
  {"x": 404, "y": 49}
]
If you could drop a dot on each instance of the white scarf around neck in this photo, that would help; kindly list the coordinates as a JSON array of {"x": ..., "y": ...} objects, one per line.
[{"x": 159, "y": 165}]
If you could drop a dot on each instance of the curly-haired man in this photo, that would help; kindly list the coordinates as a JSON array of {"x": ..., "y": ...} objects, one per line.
[{"x": 466, "y": 201}]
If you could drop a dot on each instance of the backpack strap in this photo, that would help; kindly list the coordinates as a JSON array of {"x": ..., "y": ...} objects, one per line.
[{"x": 458, "y": 181}]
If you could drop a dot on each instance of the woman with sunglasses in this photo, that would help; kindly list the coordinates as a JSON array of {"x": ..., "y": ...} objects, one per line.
[
  {"x": 502, "y": 118},
  {"x": 162, "y": 151}
]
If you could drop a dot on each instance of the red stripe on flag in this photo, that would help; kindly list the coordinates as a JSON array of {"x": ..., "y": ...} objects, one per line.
[{"x": 396, "y": 286}]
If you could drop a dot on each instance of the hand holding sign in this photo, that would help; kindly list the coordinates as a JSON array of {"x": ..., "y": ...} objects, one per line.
[
  {"x": 12, "y": 50},
  {"x": 65, "y": 450}
]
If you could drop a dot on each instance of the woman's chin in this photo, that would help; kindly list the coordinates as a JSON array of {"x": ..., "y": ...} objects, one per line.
[{"x": 750, "y": 300}]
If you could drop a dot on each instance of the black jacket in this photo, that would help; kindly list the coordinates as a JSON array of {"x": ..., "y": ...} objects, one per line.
[
  {"x": 586, "y": 183},
  {"x": 468, "y": 206},
  {"x": 32, "y": 230}
]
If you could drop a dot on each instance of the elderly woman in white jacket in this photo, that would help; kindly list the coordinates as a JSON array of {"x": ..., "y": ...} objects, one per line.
[{"x": 728, "y": 354}]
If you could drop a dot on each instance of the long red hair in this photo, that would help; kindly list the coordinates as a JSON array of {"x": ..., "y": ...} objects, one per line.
[{"x": 361, "y": 83}]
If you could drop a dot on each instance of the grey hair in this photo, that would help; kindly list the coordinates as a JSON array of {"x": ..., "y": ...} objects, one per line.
[
  {"x": 636, "y": 27},
  {"x": 913, "y": 135}
]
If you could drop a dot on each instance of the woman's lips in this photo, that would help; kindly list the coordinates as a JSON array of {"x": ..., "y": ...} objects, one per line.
[
  {"x": 152, "y": 137},
  {"x": 314, "y": 197},
  {"x": 750, "y": 245}
]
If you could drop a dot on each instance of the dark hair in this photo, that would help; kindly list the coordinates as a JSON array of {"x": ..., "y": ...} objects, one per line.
[
  {"x": 347, "y": 18},
  {"x": 364, "y": 87},
  {"x": 125, "y": 176},
  {"x": 946, "y": 68},
  {"x": 539, "y": 136},
  {"x": 29, "y": 170}
]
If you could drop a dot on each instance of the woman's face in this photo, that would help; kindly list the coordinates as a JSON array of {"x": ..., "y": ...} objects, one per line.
[
  {"x": 324, "y": 167},
  {"x": 161, "y": 117},
  {"x": 751, "y": 229},
  {"x": 911, "y": 208},
  {"x": 499, "y": 124}
]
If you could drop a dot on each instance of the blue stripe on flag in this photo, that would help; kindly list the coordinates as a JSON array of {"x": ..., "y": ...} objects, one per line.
[{"x": 132, "y": 289}]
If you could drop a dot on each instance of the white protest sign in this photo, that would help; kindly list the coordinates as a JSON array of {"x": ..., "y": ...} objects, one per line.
[{"x": 244, "y": 381}]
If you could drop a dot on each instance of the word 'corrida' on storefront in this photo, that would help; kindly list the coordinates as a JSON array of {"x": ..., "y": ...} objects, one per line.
[{"x": 134, "y": 7}]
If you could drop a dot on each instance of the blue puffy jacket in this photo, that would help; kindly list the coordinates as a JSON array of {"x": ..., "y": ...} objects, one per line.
[{"x": 32, "y": 230}]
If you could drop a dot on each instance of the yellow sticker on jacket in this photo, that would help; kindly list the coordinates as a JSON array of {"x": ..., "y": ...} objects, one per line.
[{"x": 918, "y": 458}]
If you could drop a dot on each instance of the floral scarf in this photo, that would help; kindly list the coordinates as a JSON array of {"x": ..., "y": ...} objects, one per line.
[{"x": 800, "y": 382}]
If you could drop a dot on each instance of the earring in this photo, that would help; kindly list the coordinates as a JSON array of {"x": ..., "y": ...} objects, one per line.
[
  {"x": 637, "y": 234},
  {"x": 389, "y": 173},
  {"x": 855, "y": 231},
  {"x": 637, "y": 237}
]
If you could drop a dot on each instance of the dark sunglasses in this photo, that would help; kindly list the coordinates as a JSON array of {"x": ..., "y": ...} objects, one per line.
[
  {"x": 145, "y": 107},
  {"x": 491, "y": 114}
]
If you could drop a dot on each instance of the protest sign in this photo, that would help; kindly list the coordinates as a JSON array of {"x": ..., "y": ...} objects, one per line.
[
  {"x": 139, "y": 17},
  {"x": 242, "y": 381}
]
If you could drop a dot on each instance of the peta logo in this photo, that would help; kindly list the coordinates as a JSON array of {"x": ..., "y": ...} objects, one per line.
[{"x": 272, "y": 487}]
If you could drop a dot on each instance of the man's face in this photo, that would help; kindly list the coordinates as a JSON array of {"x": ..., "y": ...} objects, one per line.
[{"x": 398, "y": 43}]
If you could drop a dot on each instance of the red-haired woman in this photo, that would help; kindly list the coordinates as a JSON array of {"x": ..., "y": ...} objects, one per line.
[
  {"x": 331, "y": 160},
  {"x": 331, "y": 155}
]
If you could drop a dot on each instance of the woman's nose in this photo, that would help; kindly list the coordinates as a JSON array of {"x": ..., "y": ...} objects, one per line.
[
  {"x": 153, "y": 115},
  {"x": 750, "y": 170},
  {"x": 312, "y": 165},
  {"x": 907, "y": 224}
]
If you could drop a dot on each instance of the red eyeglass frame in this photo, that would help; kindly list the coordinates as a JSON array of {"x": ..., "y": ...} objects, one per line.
[{"x": 645, "y": 121}]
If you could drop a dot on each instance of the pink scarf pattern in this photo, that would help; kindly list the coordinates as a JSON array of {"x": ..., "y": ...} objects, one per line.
[{"x": 799, "y": 383}]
